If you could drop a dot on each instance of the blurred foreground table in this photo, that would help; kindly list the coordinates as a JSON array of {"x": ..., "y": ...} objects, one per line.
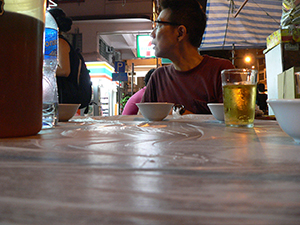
[{"x": 125, "y": 170}]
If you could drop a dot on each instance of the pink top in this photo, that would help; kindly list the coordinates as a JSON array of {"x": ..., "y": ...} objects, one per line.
[{"x": 130, "y": 107}]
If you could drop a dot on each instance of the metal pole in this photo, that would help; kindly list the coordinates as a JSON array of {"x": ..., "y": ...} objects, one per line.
[
  {"x": 242, "y": 6},
  {"x": 132, "y": 72},
  {"x": 119, "y": 94},
  {"x": 232, "y": 54}
]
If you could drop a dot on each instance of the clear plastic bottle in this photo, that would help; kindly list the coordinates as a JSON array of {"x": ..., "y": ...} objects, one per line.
[{"x": 50, "y": 96}]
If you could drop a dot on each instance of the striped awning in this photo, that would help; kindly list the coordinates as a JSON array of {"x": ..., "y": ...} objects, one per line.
[{"x": 255, "y": 22}]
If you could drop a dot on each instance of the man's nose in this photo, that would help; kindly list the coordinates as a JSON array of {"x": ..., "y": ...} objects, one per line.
[{"x": 152, "y": 34}]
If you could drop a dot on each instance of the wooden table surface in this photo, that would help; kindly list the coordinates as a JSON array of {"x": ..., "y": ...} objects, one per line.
[{"x": 125, "y": 170}]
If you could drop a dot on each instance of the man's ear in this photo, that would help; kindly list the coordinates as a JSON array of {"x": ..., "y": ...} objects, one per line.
[{"x": 182, "y": 32}]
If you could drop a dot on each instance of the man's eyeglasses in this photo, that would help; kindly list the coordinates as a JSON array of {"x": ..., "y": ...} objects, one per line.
[{"x": 157, "y": 22}]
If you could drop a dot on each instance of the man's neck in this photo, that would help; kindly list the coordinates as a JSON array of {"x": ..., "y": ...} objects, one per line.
[{"x": 187, "y": 60}]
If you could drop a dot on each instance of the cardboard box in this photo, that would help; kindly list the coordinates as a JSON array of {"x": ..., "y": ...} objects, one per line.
[
  {"x": 283, "y": 36},
  {"x": 288, "y": 84}
]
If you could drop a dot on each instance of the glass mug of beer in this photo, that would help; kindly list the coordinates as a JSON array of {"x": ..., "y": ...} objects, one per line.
[
  {"x": 21, "y": 61},
  {"x": 239, "y": 96}
]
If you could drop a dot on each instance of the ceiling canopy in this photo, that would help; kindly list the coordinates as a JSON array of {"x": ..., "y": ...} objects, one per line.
[{"x": 250, "y": 28}]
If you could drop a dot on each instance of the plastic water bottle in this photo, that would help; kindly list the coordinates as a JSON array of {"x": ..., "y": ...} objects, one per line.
[{"x": 50, "y": 96}]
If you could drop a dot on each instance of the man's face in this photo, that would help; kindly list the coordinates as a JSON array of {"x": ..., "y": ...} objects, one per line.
[{"x": 164, "y": 36}]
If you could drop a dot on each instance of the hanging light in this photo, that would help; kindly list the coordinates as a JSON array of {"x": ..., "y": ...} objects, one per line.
[{"x": 248, "y": 59}]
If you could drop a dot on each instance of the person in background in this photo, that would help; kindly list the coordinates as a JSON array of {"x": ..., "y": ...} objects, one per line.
[
  {"x": 262, "y": 98},
  {"x": 130, "y": 107},
  {"x": 192, "y": 80},
  {"x": 73, "y": 79},
  {"x": 64, "y": 24}
]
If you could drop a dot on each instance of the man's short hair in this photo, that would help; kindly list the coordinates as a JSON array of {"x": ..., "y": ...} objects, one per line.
[{"x": 190, "y": 14}]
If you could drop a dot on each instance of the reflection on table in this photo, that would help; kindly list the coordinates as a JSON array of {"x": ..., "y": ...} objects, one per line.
[{"x": 125, "y": 170}]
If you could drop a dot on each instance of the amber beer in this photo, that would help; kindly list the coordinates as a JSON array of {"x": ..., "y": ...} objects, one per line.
[
  {"x": 239, "y": 104},
  {"x": 21, "y": 58},
  {"x": 239, "y": 96}
]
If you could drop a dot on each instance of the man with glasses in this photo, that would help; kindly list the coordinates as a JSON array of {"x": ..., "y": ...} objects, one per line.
[{"x": 192, "y": 80}]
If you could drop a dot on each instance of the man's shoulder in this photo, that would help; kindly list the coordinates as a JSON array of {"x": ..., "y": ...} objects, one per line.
[
  {"x": 160, "y": 71},
  {"x": 213, "y": 60},
  {"x": 215, "y": 64},
  {"x": 164, "y": 68}
]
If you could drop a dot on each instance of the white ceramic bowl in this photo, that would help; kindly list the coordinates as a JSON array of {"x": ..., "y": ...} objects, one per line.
[
  {"x": 66, "y": 111},
  {"x": 217, "y": 109},
  {"x": 155, "y": 111},
  {"x": 287, "y": 113}
]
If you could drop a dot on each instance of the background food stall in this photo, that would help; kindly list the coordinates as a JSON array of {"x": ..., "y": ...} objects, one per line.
[{"x": 104, "y": 98}]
